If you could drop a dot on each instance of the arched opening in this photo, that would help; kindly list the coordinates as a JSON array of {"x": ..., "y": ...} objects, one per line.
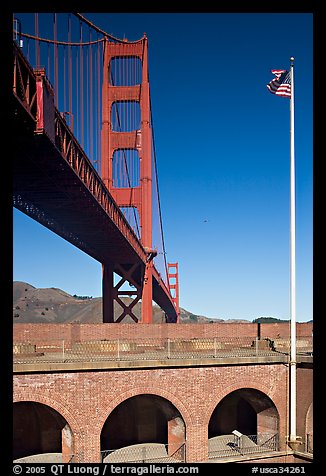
[
  {"x": 40, "y": 434},
  {"x": 245, "y": 420},
  {"x": 143, "y": 428}
]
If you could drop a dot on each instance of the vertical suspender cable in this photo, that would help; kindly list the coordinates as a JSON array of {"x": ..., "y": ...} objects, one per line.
[
  {"x": 81, "y": 64},
  {"x": 28, "y": 51},
  {"x": 56, "y": 75},
  {"x": 86, "y": 122},
  {"x": 71, "y": 117},
  {"x": 49, "y": 62},
  {"x": 37, "y": 43},
  {"x": 64, "y": 79},
  {"x": 76, "y": 95},
  {"x": 100, "y": 54},
  {"x": 158, "y": 198},
  {"x": 91, "y": 146}
]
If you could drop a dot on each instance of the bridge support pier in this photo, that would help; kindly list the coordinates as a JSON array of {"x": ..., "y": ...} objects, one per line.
[
  {"x": 147, "y": 293},
  {"x": 112, "y": 293},
  {"x": 107, "y": 293}
]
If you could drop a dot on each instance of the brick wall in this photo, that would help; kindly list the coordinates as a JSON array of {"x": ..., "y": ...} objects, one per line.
[
  {"x": 83, "y": 332},
  {"x": 85, "y": 399},
  {"x": 304, "y": 403}
]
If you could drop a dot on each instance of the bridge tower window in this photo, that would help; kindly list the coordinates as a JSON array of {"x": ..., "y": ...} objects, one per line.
[
  {"x": 126, "y": 168},
  {"x": 125, "y": 71},
  {"x": 125, "y": 116}
]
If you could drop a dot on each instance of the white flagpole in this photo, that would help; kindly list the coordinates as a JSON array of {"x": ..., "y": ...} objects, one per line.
[{"x": 293, "y": 354}]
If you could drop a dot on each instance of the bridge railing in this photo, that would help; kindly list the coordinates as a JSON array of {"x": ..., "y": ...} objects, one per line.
[
  {"x": 153, "y": 349},
  {"x": 24, "y": 83},
  {"x": 145, "y": 453},
  {"x": 226, "y": 446}
]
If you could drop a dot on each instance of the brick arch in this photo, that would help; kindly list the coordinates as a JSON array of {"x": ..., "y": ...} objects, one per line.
[
  {"x": 309, "y": 419},
  {"x": 51, "y": 402},
  {"x": 137, "y": 391},
  {"x": 226, "y": 390}
]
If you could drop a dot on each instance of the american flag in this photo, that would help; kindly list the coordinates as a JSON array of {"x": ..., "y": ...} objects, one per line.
[{"x": 281, "y": 84}]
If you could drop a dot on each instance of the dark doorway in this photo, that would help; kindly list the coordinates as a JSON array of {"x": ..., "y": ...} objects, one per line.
[
  {"x": 246, "y": 410},
  {"x": 142, "y": 419},
  {"x": 37, "y": 428}
]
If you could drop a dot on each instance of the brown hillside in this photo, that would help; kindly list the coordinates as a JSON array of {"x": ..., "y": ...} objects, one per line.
[{"x": 37, "y": 305}]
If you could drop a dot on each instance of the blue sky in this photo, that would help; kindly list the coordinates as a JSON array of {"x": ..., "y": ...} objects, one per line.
[{"x": 223, "y": 156}]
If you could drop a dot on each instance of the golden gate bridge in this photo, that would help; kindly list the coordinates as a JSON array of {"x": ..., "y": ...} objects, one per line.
[{"x": 84, "y": 158}]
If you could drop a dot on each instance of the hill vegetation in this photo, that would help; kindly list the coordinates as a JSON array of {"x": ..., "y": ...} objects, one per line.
[{"x": 268, "y": 320}]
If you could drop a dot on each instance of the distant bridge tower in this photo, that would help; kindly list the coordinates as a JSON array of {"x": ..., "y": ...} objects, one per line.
[
  {"x": 127, "y": 161},
  {"x": 173, "y": 277}
]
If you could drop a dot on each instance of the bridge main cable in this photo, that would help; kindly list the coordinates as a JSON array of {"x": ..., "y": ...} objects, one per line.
[{"x": 107, "y": 35}]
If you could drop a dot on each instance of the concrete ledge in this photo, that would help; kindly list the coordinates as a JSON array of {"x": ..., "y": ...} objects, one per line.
[
  {"x": 268, "y": 455},
  {"x": 304, "y": 359},
  {"x": 252, "y": 457},
  {"x": 306, "y": 456},
  {"x": 143, "y": 364}
]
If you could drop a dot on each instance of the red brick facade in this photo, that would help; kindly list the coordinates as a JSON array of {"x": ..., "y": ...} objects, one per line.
[
  {"x": 86, "y": 399},
  {"x": 82, "y": 332}
]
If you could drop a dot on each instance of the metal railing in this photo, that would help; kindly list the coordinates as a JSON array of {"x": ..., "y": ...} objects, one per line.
[
  {"x": 145, "y": 453},
  {"x": 61, "y": 350},
  {"x": 226, "y": 446},
  {"x": 309, "y": 443},
  {"x": 24, "y": 83}
]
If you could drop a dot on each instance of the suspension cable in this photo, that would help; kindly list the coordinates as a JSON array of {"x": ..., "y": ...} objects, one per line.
[
  {"x": 107, "y": 35},
  {"x": 57, "y": 42}
]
